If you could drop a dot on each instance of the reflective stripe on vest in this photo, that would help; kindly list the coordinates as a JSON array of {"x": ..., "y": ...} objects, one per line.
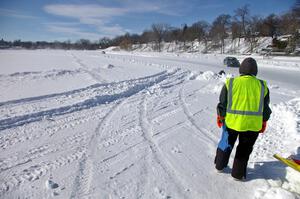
[{"x": 261, "y": 102}]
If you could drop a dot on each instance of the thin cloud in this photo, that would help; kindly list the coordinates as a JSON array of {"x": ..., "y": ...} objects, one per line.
[
  {"x": 166, "y": 7},
  {"x": 73, "y": 31},
  {"x": 95, "y": 15},
  {"x": 101, "y": 17},
  {"x": 163, "y": 8},
  {"x": 61, "y": 23},
  {"x": 112, "y": 30},
  {"x": 211, "y": 6},
  {"x": 15, "y": 14},
  {"x": 83, "y": 11}
]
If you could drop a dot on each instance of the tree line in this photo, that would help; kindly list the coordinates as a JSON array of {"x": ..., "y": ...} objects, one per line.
[{"x": 241, "y": 25}]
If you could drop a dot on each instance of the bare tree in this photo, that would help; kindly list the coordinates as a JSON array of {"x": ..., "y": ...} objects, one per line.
[
  {"x": 296, "y": 9},
  {"x": 105, "y": 42},
  {"x": 126, "y": 42},
  {"x": 253, "y": 31},
  {"x": 295, "y": 12},
  {"x": 287, "y": 23},
  {"x": 236, "y": 30},
  {"x": 243, "y": 14},
  {"x": 173, "y": 34},
  {"x": 159, "y": 31},
  {"x": 183, "y": 35},
  {"x": 201, "y": 29},
  {"x": 147, "y": 36},
  {"x": 219, "y": 29},
  {"x": 270, "y": 26}
]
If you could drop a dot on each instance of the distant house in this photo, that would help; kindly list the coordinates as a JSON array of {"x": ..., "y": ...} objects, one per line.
[{"x": 285, "y": 38}]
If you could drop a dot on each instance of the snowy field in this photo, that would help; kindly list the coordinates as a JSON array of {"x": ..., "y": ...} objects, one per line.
[{"x": 82, "y": 124}]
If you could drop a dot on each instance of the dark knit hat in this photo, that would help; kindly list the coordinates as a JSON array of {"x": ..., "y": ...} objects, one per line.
[{"x": 248, "y": 67}]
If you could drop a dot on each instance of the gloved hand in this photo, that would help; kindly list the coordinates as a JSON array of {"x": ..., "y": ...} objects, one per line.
[
  {"x": 220, "y": 121},
  {"x": 264, "y": 126}
]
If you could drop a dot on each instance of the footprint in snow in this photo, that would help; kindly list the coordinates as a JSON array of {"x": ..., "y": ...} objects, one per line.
[
  {"x": 162, "y": 193},
  {"x": 176, "y": 150},
  {"x": 51, "y": 184}
]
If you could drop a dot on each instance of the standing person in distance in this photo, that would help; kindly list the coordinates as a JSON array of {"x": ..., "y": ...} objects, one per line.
[{"x": 243, "y": 111}]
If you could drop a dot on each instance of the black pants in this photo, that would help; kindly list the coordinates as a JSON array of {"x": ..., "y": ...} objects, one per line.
[{"x": 243, "y": 151}]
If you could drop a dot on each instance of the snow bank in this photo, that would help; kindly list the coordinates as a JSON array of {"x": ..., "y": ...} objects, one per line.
[
  {"x": 285, "y": 121},
  {"x": 207, "y": 75},
  {"x": 281, "y": 137}
]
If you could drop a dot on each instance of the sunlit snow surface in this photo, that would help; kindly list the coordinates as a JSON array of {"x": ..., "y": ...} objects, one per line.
[{"x": 82, "y": 124}]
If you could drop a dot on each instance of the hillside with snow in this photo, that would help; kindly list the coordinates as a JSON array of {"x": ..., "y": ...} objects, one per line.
[
  {"x": 84, "y": 124},
  {"x": 236, "y": 46}
]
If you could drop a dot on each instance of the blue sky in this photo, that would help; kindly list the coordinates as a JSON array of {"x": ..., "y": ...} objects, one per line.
[{"x": 61, "y": 20}]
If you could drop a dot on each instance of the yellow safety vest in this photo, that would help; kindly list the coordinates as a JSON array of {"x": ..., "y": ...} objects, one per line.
[{"x": 245, "y": 103}]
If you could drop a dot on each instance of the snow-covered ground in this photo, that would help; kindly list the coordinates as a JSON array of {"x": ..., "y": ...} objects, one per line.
[{"x": 82, "y": 124}]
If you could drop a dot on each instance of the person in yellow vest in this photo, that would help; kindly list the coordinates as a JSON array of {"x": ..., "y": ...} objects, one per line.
[{"x": 243, "y": 111}]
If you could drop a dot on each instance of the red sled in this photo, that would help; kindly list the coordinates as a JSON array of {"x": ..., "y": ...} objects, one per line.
[{"x": 297, "y": 161}]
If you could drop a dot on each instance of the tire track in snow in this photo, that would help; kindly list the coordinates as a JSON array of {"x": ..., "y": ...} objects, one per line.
[
  {"x": 145, "y": 159},
  {"x": 26, "y": 133},
  {"x": 208, "y": 136},
  {"x": 93, "y": 74},
  {"x": 135, "y": 60},
  {"x": 83, "y": 181},
  {"x": 144, "y": 183},
  {"x": 130, "y": 88},
  {"x": 82, "y": 187},
  {"x": 80, "y": 92},
  {"x": 156, "y": 151},
  {"x": 86, "y": 166},
  {"x": 46, "y": 102}
]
